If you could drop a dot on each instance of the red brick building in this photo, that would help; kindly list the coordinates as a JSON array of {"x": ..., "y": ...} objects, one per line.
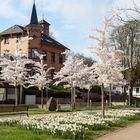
[{"x": 42, "y": 42}]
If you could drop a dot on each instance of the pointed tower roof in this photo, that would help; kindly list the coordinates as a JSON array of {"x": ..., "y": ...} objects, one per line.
[{"x": 34, "y": 19}]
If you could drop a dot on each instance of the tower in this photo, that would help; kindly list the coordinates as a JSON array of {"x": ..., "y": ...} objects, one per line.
[
  {"x": 34, "y": 19},
  {"x": 44, "y": 27},
  {"x": 34, "y": 31}
]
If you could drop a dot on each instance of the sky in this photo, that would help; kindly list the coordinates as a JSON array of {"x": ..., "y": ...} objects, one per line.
[{"x": 72, "y": 21}]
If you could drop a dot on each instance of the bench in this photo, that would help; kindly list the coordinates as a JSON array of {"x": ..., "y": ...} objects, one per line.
[{"x": 14, "y": 109}]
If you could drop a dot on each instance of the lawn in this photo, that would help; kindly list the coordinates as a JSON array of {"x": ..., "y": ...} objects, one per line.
[
  {"x": 92, "y": 135},
  {"x": 84, "y": 107},
  {"x": 37, "y": 111},
  {"x": 28, "y": 128},
  {"x": 33, "y": 111},
  {"x": 16, "y": 133},
  {"x": 67, "y": 108}
]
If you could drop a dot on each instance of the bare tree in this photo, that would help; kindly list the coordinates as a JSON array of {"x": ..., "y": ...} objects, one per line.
[{"x": 126, "y": 38}]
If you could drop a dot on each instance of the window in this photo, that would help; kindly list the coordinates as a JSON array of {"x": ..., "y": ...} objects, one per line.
[
  {"x": 52, "y": 73},
  {"x": 18, "y": 38},
  {"x": 60, "y": 58},
  {"x": 6, "y": 40},
  {"x": 137, "y": 90},
  {"x": 10, "y": 93},
  {"x": 2, "y": 94},
  {"x": 45, "y": 55},
  {"x": 33, "y": 55},
  {"x": 53, "y": 57},
  {"x": 64, "y": 57},
  {"x": 7, "y": 55},
  {"x": 114, "y": 88}
]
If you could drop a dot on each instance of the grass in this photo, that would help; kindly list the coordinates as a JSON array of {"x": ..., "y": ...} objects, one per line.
[
  {"x": 92, "y": 135},
  {"x": 33, "y": 111},
  {"x": 16, "y": 133},
  {"x": 98, "y": 107},
  {"x": 82, "y": 107}
]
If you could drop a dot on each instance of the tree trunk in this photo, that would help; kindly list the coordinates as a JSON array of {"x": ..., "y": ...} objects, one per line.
[
  {"x": 130, "y": 93},
  {"x": 42, "y": 98},
  {"x": 16, "y": 95},
  {"x": 102, "y": 102},
  {"x": 47, "y": 95},
  {"x": 72, "y": 101},
  {"x": 110, "y": 96},
  {"x": 88, "y": 103},
  {"x": 21, "y": 91},
  {"x": 124, "y": 94}
]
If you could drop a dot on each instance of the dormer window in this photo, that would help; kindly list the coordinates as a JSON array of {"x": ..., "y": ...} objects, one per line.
[{"x": 6, "y": 40}]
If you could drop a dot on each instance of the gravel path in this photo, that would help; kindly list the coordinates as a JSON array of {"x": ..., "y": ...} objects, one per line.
[{"x": 131, "y": 132}]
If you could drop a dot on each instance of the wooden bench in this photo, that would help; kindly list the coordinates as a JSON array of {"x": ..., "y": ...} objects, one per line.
[{"x": 14, "y": 109}]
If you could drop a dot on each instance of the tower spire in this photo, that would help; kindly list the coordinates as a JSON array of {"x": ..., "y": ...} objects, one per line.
[{"x": 34, "y": 19}]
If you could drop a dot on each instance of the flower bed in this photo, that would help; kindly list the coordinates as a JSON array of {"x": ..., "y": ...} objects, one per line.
[{"x": 70, "y": 124}]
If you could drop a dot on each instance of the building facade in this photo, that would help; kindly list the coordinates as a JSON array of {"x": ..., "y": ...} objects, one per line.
[{"x": 41, "y": 41}]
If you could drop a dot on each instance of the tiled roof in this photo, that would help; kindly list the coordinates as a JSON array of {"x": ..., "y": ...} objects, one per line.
[
  {"x": 48, "y": 39},
  {"x": 14, "y": 29},
  {"x": 43, "y": 22}
]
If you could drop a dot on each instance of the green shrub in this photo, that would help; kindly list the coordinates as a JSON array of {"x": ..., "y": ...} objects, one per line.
[{"x": 54, "y": 91}]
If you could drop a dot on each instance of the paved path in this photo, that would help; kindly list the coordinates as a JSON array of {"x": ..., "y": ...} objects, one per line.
[{"x": 131, "y": 132}]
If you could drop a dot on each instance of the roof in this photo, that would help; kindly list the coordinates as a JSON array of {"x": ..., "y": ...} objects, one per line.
[
  {"x": 44, "y": 38},
  {"x": 48, "y": 39},
  {"x": 14, "y": 29},
  {"x": 43, "y": 22},
  {"x": 34, "y": 19}
]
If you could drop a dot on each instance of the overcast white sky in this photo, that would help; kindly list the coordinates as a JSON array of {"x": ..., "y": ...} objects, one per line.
[{"x": 71, "y": 20}]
